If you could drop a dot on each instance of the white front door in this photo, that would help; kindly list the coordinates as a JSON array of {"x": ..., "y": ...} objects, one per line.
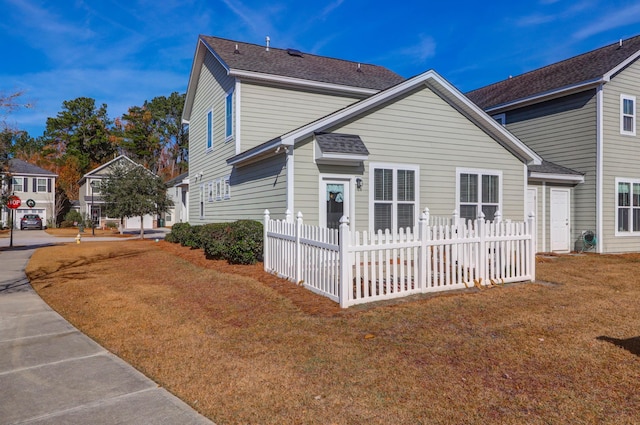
[
  {"x": 334, "y": 201},
  {"x": 560, "y": 213}
]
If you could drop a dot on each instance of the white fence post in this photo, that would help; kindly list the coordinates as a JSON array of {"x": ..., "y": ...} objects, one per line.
[
  {"x": 265, "y": 242},
  {"x": 533, "y": 244},
  {"x": 345, "y": 283},
  {"x": 288, "y": 216},
  {"x": 298, "y": 276},
  {"x": 483, "y": 248},
  {"x": 423, "y": 225}
]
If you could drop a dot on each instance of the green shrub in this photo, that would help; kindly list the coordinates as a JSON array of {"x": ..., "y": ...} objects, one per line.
[
  {"x": 213, "y": 239},
  {"x": 73, "y": 216},
  {"x": 67, "y": 223},
  {"x": 180, "y": 233},
  {"x": 245, "y": 242}
]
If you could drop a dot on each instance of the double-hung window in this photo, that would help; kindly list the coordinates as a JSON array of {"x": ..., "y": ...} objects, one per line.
[
  {"x": 17, "y": 184},
  {"x": 210, "y": 130},
  {"x": 228, "y": 117},
  {"x": 627, "y": 206},
  {"x": 479, "y": 190},
  {"x": 41, "y": 185},
  {"x": 627, "y": 115},
  {"x": 394, "y": 194}
]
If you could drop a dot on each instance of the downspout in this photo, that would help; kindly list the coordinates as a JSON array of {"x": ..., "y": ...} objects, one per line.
[
  {"x": 599, "y": 166},
  {"x": 544, "y": 217},
  {"x": 238, "y": 114}
]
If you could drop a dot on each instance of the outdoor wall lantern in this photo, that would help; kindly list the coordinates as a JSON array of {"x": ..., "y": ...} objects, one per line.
[{"x": 359, "y": 183}]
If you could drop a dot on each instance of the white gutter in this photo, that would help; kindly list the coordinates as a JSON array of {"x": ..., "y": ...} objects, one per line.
[{"x": 556, "y": 178}]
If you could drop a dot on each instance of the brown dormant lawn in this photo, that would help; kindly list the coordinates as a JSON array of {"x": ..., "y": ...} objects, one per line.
[{"x": 243, "y": 347}]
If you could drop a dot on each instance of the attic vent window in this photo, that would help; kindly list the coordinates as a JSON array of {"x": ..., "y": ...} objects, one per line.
[{"x": 294, "y": 52}]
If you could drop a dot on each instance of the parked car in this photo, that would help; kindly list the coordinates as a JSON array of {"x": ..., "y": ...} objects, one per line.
[{"x": 31, "y": 221}]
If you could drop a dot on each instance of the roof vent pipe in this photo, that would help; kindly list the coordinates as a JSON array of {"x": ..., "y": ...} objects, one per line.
[
  {"x": 359, "y": 69},
  {"x": 620, "y": 43},
  {"x": 236, "y": 51},
  {"x": 268, "y": 41}
]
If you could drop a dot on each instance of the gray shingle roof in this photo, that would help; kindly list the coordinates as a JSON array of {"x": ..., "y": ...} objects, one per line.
[
  {"x": 18, "y": 166},
  {"x": 548, "y": 167},
  {"x": 579, "y": 69},
  {"x": 341, "y": 143},
  {"x": 255, "y": 58}
]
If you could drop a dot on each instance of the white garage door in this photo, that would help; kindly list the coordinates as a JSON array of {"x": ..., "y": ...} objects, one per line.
[{"x": 134, "y": 222}]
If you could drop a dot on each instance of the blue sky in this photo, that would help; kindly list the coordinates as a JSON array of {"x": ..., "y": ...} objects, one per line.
[{"x": 125, "y": 52}]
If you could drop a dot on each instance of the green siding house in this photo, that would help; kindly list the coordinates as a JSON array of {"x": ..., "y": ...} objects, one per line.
[
  {"x": 281, "y": 130},
  {"x": 581, "y": 114}
]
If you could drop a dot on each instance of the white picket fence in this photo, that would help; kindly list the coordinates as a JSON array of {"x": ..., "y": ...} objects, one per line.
[{"x": 437, "y": 255}]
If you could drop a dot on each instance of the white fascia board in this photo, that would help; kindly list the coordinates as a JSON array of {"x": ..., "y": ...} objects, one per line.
[
  {"x": 562, "y": 91},
  {"x": 621, "y": 66},
  {"x": 250, "y": 155},
  {"x": 556, "y": 178},
  {"x": 299, "y": 82}
]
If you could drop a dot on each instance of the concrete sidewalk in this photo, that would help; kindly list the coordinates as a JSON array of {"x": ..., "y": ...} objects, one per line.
[{"x": 51, "y": 373}]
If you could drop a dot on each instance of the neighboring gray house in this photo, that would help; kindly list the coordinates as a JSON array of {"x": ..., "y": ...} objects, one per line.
[
  {"x": 34, "y": 186},
  {"x": 91, "y": 203},
  {"x": 178, "y": 192},
  {"x": 580, "y": 113},
  {"x": 280, "y": 129}
]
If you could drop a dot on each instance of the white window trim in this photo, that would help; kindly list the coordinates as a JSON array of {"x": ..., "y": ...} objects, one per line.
[
  {"x": 624, "y": 97},
  {"x": 500, "y": 118},
  {"x": 210, "y": 117},
  {"x": 13, "y": 185},
  {"x": 226, "y": 187},
  {"x": 619, "y": 233},
  {"x": 210, "y": 191},
  {"x": 201, "y": 206},
  {"x": 480, "y": 172},
  {"x": 395, "y": 167},
  {"x": 38, "y": 179},
  {"x": 228, "y": 136},
  {"x": 218, "y": 190}
]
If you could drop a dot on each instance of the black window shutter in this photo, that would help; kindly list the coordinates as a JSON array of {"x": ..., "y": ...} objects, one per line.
[
  {"x": 25, "y": 186},
  {"x": 35, "y": 184},
  {"x": 49, "y": 185}
]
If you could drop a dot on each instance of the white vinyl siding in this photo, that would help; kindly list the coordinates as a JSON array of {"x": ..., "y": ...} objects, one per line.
[{"x": 627, "y": 115}]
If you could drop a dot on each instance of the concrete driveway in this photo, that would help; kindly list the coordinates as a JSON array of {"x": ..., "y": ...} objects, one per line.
[{"x": 51, "y": 373}]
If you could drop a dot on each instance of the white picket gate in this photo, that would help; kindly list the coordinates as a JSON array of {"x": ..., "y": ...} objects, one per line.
[{"x": 437, "y": 255}]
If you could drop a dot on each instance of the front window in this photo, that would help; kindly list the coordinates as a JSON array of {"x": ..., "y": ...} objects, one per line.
[
  {"x": 42, "y": 185},
  {"x": 17, "y": 184},
  {"x": 479, "y": 191},
  {"x": 394, "y": 197},
  {"x": 628, "y": 206},
  {"x": 628, "y": 115}
]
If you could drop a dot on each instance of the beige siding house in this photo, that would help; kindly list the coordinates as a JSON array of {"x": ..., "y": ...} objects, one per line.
[
  {"x": 91, "y": 204},
  {"x": 581, "y": 114},
  {"x": 281, "y": 130},
  {"x": 36, "y": 188}
]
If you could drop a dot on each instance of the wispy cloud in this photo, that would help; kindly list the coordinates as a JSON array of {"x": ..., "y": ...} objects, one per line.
[
  {"x": 330, "y": 8},
  {"x": 540, "y": 18},
  {"x": 620, "y": 18}
]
